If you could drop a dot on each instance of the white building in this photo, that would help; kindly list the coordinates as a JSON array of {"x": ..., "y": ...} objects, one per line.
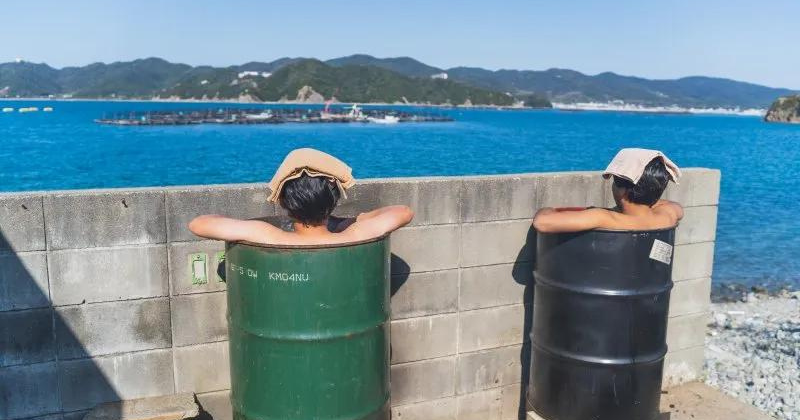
[
  {"x": 442, "y": 76},
  {"x": 254, "y": 74}
]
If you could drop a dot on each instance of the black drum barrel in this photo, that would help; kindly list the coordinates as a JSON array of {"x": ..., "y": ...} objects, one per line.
[{"x": 600, "y": 310}]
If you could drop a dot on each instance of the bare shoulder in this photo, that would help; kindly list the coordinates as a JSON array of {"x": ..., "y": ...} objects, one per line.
[{"x": 669, "y": 208}]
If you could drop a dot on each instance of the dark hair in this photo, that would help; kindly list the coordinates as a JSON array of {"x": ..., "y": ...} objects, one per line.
[
  {"x": 650, "y": 186},
  {"x": 308, "y": 199}
]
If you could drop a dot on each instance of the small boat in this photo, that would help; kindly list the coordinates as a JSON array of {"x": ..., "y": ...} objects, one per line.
[
  {"x": 387, "y": 119},
  {"x": 8, "y": 109},
  {"x": 48, "y": 109}
]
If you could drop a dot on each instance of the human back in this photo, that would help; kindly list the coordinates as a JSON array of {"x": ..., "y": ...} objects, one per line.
[{"x": 308, "y": 186}]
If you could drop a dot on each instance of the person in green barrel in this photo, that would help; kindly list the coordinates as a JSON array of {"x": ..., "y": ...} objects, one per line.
[
  {"x": 640, "y": 177},
  {"x": 308, "y": 185}
]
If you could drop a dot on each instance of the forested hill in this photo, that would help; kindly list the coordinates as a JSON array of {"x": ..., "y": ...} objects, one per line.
[{"x": 364, "y": 78}]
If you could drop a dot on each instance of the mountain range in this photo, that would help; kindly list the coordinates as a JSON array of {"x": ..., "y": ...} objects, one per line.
[{"x": 363, "y": 78}]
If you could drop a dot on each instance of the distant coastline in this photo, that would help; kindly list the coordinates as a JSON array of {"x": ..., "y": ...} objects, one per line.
[
  {"x": 674, "y": 109},
  {"x": 577, "y": 107}
]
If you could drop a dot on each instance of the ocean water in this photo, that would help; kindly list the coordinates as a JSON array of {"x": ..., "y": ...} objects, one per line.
[{"x": 758, "y": 239}]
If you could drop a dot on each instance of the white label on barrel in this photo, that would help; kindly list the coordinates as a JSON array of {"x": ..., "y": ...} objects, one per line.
[{"x": 661, "y": 251}]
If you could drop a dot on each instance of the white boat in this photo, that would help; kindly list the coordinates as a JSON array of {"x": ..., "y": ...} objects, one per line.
[
  {"x": 8, "y": 109},
  {"x": 48, "y": 109},
  {"x": 387, "y": 119},
  {"x": 261, "y": 116}
]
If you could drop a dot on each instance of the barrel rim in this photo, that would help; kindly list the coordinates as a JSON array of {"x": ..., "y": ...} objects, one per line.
[
  {"x": 673, "y": 227},
  {"x": 311, "y": 247}
]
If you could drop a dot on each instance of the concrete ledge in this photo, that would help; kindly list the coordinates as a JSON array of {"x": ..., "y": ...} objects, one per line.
[
  {"x": 242, "y": 201},
  {"x": 112, "y": 218},
  {"x": 168, "y": 407},
  {"x": 22, "y": 223},
  {"x": 435, "y": 201}
]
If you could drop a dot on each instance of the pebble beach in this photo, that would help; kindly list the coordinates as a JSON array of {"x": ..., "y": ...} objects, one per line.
[{"x": 753, "y": 352}]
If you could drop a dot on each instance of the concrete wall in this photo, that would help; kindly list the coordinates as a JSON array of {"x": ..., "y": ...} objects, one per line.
[{"x": 96, "y": 303}]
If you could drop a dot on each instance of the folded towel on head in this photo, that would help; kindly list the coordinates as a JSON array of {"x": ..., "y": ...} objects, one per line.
[
  {"x": 630, "y": 164},
  {"x": 314, "y": 163}
]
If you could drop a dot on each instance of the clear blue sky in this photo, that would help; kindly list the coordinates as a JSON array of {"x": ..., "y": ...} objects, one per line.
[{"x": 744, "y": 40}]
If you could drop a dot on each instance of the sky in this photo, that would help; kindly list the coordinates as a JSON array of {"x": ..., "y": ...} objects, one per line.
[{"x": 752, "y": 41}]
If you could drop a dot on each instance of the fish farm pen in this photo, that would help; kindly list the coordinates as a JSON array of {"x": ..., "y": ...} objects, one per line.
[{"x": 239, "y": 116}]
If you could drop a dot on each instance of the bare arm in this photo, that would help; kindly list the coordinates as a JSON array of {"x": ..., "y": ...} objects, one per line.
[
  {"x": 383, "y": 220},
  {"x": 550, "y": 220},
  {"x": 223, "y": 228}
]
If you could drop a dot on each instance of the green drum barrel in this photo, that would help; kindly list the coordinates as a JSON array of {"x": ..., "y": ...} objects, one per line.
[{"x": 309, "y": 331}]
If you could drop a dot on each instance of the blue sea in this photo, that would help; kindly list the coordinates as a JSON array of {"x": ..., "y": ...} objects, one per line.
[{"x": 758, "y": 240}]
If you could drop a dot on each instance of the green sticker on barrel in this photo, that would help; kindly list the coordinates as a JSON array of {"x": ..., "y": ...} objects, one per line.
[
  {"x": 198, "y": 269},
  {"x": 219, "y": 266}
]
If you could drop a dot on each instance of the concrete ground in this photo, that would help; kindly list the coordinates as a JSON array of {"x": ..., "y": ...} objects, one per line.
[{"x": 697, "y": 401}]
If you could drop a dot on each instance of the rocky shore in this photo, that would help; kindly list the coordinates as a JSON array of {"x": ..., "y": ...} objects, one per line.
[
  {"x": 753, "y": 351},
  {"x": 785, "y": 110}
]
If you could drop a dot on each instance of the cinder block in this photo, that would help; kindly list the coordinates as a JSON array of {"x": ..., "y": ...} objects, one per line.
[
  {"x": 202, "y": 368},
  {"x": 690, "y": 296},
  {"x": 693, "y": 261},
  {"x": 107, "y": 274},
  {"x": 75, "y": 415},
  {"x": 246, "y": 201},
  {"x": 496, "y": 198},
  {"x": 687, "y": 331},
  {"x": 108, "y": 218},
  {"x": 113, "y": 327},
  {"x": 698, "y": 187},
  {"x": 490, "y": 328},
  {"x": 421, "y": 294},
  {"x": 424, "y": 338},
  {"x": 181, "y": 278},
  {"x": 216, "y": 404},
  {"x": 699, "y": 224},
  {"x": 488, "y": 369},
  {"x": 497, "y": 242},
  {"x": 23, "y": 281},
  {"x": 425, "y": 248},
  {"x": 21, "y": 223},
  {"x": 483, "y": 405},
  {"x": 441, "y": 409},
  {"x": 494, "y": 285},
  {"x": 164, "y": 407},
  {"x": 199, "y": 318},
  {"x": 568, "y": 189},
  {"x": 513, "y": 400},
  {"x": 435, "y": 201},
  {"x": 423, "y": 381},
  {"x": 85, "y": 383},
  {"x": 683, "y": 366},
  {"x": 26, "y": 337},
  {"x": 28, "y": 391}
]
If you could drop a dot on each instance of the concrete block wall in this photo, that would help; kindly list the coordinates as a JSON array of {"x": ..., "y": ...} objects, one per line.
[{"x": 96, "y": 302}]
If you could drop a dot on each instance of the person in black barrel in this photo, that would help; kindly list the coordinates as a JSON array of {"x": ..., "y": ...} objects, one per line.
[{"x": 640, "y": 177}]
